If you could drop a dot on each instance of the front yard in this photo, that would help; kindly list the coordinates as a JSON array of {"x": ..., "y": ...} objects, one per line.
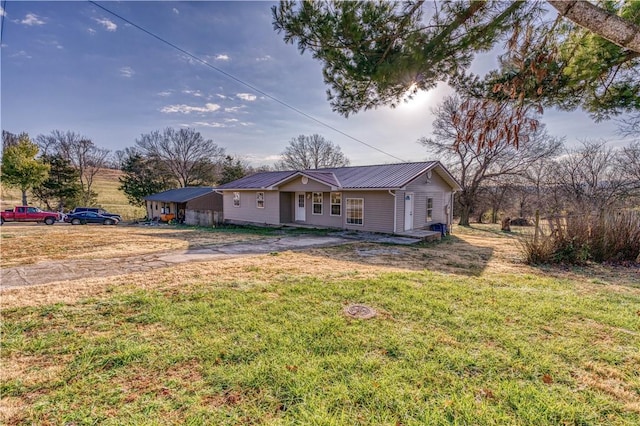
[{"x": 464, "y": 334}]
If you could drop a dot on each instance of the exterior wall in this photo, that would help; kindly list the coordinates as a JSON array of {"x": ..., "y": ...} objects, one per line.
[
  {"x": 198, "y": 217},
  {"x": 155, "y": 208},
  {"x": 378, "y": 211},
  {"x": 437, "y": 189},
  {"x": 248, "y": 211},
  {"x": 296, "y": 185},
  {"x": 212, "y": 201},
  {"x": 325, "y": 219},
  {"x": 286, "y": 207}
]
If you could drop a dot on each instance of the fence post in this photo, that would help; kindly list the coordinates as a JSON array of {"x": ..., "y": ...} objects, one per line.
[{"x": 536, "y": 232}]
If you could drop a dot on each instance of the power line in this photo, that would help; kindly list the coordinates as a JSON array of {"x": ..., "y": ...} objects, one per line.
[{"x": 238, "y": 80}]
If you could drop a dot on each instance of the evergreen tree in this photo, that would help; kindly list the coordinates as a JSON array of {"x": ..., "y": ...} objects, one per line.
[
  {"x": 142, "y": 177},
  {"x": 61, "y": 190},
  {"x": 232, "y": 169}
]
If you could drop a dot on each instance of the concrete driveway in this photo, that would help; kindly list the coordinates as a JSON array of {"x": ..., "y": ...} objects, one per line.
[{"x": 53, "y": 271}]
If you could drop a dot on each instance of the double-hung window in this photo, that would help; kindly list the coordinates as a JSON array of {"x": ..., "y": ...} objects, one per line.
[
  {"x": 236, "y": 199},
  {"x": 260, "y": 200},
  {"x": 429, "y": 209},
  {"x": 336, "y": 204},
  {"x": 355, "y": 211},
  {"x": 317, "y": 203}
]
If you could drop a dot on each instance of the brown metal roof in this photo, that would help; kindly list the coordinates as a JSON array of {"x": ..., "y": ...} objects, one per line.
[{"x": 385, "y": 176}]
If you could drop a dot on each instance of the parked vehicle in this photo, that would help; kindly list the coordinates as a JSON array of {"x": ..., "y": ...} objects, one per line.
[
  {"x": 82, "y": 218},
  {"x": 96, "y": 210},
  {"x": 29, "y": 214}
]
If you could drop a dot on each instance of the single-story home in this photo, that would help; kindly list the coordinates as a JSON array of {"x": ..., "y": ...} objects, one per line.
[
  {"x": 193, "y": 205},
  {"x": 390, "y": 198}
]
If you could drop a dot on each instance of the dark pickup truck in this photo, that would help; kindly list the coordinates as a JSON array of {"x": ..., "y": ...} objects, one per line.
[{"x": 29, "y": 214}]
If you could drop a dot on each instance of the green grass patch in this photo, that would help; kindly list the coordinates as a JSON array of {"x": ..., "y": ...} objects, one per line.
[{"x": 443, "y": 349}]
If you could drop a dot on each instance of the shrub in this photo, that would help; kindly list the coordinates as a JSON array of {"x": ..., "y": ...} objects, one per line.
[{"x": 581, "y": 238}]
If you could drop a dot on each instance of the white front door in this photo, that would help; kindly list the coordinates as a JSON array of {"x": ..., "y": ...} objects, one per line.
[
  {"x": 300, "y": 209},
  {"x": 408, "y": 211}
]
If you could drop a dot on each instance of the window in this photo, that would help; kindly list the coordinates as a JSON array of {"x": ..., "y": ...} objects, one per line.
[
  {"x": 355, "y": 211},
  {"x": 317, "y": 203},
  {"x": 236, "y": 199},
  {"x": 336, "y": 203},
  {"x": 260, "y": 200},
  {"x": 429, "y": 209}
]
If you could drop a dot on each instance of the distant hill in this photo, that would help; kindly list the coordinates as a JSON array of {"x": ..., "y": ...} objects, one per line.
[{"x": 105, "y": 185}]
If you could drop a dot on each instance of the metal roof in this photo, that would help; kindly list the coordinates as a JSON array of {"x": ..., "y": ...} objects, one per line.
[
  {"x": 180, "y": 195},
  {"x": 386, "y": 176}
]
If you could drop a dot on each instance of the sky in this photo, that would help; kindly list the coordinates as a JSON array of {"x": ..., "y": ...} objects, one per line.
[{"x": 70, "y": 65}]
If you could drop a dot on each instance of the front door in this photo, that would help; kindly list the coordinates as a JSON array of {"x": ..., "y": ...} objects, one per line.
[
  {"x": 300, "y": 208},
  {"x": 408, "y": 211}
]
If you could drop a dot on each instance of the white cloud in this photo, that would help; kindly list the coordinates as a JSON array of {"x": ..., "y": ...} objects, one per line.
[
  {"x": 212, "y": 124},
  {"x": 187, "y": 109},
  {"x": 233, "y": 109},
  {"x": 107, "y": 24},
  {"x": 127, "y": 72},
  {"x": 221, "y": 96},
  {"x": 91, "y": 31},
  {"x": 31, "y": 19},
  {"x": 164, "y": 93},
  {"x": 21, "y": 54},
  {"x": 176, "y": 11},
  {"x": 196, "y": 93},
  {"x": 264, "y": 58},
  {"x": 2, "y": 12},
  {"x": 246, "y": 96},
  {"x": 231, "y": 120},
  {"x": 222, "y": 57}
]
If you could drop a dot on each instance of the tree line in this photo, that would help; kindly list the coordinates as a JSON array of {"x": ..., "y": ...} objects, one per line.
[{"x": 60, "y": 168}]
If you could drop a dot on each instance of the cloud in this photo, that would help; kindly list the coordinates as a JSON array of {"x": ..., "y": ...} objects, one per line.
[
  {"x": 222, "y": 57},
  {"x": 264, "y": 58},
  {"x": 127, "y": 72},
  {"x": 21, "y": 54},
  {"x": 212, "y": 124},
  {"x": 176, "y": 11},
  {"x": 221, "y": 96},
  {"x": 107, "y": 24},
  {"x": 187, "y": 109},
  {"x": 31, "y": 19},
  {"x": 246, "y": 96},
  {"x": 233, "y": 109},
  {"x": 196, "y": 93},
  {"x": 91, "y": 31},
  {"x": 2, "y": 12},
  {"x": 164, "y": 93}
]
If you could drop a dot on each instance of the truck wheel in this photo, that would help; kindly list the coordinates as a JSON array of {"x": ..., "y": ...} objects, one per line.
[
  {"x": 75, "y": 221},
  {"x": 1, "y": 221},
  {"x": 49, "y": 221}
]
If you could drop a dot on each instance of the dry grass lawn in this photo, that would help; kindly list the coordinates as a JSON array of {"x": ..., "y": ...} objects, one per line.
[{"x": 466, "y": 334}]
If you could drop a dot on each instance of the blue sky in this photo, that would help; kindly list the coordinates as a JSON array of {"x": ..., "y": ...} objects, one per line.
[{"x": 73, "y": 66}]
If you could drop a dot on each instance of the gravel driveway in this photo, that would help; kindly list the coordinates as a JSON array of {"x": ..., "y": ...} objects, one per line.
[{"x": 64, "y": 270}]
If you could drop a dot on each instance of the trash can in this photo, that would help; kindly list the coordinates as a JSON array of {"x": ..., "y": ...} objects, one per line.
[{"x": 439, "y": 227}]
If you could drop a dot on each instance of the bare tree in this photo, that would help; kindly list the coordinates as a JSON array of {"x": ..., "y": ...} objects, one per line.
[
  {"x": 184, "y": 154},
  {"x": 589, "y": 178},
  {"x": 476, "y": 165},
  {"x": 311, "y": 152},
  {"x": 81, "y": 152},
  {"x": 628, "y": 162}
]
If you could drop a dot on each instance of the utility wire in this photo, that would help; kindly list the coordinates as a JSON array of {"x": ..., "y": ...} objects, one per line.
[{"x": 238, "y": 80}]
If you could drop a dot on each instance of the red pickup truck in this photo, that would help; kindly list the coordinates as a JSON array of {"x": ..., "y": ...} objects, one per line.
[{"x": 29, "y": 214}]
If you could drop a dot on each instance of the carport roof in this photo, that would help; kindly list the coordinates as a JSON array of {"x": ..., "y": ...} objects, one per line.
[{"x": 180, "y": 195}]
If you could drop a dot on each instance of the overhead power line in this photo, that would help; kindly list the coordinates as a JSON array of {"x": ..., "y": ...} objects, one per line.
[{"x": 238, "y": 80}]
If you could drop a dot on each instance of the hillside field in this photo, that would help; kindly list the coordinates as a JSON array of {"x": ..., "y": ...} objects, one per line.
[{"x": 105, "y": 185}]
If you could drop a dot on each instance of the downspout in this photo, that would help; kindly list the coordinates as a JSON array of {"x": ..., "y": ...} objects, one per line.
[{"x": 395, "y": 209}]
